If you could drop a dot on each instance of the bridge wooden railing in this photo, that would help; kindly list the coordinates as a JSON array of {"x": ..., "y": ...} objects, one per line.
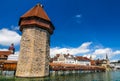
[
  {"x": 65, "y": 67},
  {"x": 8, "y": 65}
]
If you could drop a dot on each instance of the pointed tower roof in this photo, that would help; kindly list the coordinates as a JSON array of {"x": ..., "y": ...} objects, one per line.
[
  {"x": 106, "y": 56},
  {"x": 36, "y": 11},
  {"x": 36, "y": 16},
  {"x": 90, "y": 57}
]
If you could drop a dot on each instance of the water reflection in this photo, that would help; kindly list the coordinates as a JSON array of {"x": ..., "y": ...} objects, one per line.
[
  {"x": 30, "y": 79},
  {"x": 52, "y": 78},
  {"x": 103, "y": 76},
  {"x": 72, "y": 77}
]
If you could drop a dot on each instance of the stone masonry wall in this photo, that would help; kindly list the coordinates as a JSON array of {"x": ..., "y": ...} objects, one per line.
[{"x": 34, "y": 53}]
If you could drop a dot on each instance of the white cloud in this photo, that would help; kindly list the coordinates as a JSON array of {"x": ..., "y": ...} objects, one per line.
[
  {"x": 84, "y": 49},
  {"x": 87, "y": 50},
  {"x": 85, "y": 45},
  {"x": 4, "y": 49},
  {"x": 7, "y": 37},
  {"x": 116, "y": 52},
  {"x": 102, "y": 51},
  {"x": 78, "y": 16},
  {"x": 79, "y": 50},
  {"x": 14, "y": 27},
  {"x": 89, "y": 55}
]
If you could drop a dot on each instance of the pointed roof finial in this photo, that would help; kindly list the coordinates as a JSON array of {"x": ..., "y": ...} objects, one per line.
[
  {"x": 39, "y": 4},
  {"x": 42, "y": 6}
]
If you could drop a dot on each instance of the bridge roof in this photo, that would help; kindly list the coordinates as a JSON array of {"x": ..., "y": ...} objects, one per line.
[{"x": 5, "y": 52}]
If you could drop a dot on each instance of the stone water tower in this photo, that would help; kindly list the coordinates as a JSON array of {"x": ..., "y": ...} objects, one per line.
[{"x": 36, "y": 29}]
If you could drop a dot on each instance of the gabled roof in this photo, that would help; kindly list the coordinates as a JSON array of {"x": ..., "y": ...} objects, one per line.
[
  {"x": 36, "y": 11},
  {"x": 81, "y": 58},
  {"x": 68, "y": 56}
]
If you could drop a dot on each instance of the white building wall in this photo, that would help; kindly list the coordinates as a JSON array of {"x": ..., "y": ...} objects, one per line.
[
  {"x": 83, "y": 62},
  {"x": 69, "y": 61}
]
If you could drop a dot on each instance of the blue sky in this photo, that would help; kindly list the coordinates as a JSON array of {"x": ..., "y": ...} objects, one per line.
[{"x": 83, "y": 27}]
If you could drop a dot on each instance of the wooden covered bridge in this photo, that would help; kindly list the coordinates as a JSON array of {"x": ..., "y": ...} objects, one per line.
[
  {"x": 71, "y": 67},
  {"x": 6, "y": 65}
]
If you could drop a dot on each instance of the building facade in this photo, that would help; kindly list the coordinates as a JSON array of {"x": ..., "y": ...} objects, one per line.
[{"x": 70, "y": 59}]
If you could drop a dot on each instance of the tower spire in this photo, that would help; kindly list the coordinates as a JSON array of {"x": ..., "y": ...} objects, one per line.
[
  {"x": 90, "y": 57},
  {"x": 106, "y": 56}
]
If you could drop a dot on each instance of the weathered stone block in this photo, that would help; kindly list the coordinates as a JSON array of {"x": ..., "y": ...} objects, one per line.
[{"x": 34, "y": 53}]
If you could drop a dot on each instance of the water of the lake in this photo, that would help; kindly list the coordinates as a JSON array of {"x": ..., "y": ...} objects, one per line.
[{"x": 101, "y": 76}]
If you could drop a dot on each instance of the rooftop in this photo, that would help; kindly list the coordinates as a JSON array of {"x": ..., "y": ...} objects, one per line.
[
  {"x": 36, "y": 11},
  {"x": 5, "y": 52}
]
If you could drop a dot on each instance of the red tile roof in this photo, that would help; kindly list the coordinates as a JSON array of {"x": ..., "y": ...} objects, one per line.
[
  {"x": 36, "y": 11},
  {"x": 5, "y": 52},
  {"x": 93, "y": 62},
  {"x": 36, "y": 17},
  {"x": 80, "y": 58}
]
